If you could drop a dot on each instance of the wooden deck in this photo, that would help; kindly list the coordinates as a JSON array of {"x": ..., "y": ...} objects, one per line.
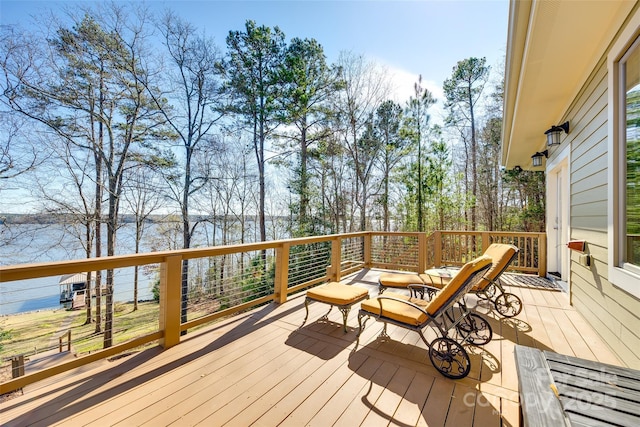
[{"x": 262, "y": 368}]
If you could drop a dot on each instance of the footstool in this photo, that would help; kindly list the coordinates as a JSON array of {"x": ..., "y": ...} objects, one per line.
[{"x": 335, "y": 294}]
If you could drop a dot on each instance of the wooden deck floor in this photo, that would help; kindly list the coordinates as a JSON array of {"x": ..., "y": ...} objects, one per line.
[{"x": 262, "y": 368}]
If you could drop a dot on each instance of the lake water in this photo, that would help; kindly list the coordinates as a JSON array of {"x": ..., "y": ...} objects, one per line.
[{"x": 40, "y": 243}]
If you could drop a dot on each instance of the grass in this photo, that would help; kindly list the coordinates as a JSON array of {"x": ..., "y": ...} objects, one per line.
[{"x": 35, "y": 332}]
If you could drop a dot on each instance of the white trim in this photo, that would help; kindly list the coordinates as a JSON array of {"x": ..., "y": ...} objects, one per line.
[
  {"x": 621, "y": 277},
  {"x": 558, "y": 164},
  {"x": 559, "y": 158}
]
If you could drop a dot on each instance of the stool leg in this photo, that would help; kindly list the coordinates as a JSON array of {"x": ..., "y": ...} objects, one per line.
[
  {"x": 326, "y": 316},
  {"x": 345, "y": 313},
  {"x": 361, "y": 324},
  {"x": 306, "y": 307}
]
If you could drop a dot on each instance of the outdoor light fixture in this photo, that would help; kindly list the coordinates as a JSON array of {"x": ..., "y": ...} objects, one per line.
[
  {"x": 536, "y": 159},
  {"x": 553, "y": 134},
  {"x": 517, "y": 169}
]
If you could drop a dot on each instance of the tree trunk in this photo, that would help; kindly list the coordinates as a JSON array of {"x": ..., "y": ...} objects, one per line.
[
  {"x": 304, "y": 184},
  {"x": 111, "y": 250},
  {"x": 474, "y": 166}
]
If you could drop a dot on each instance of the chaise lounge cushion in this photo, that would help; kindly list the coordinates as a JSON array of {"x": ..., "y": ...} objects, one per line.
[
  {"x": 397, "y": 310},
  {"x": 501, "y": 254},
  {"x": 456, "y": 282},
  {"x": 337, "y": 293},
  {"x": 399, "y": 280}
]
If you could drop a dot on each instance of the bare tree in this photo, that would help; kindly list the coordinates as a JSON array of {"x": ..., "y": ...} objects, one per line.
[
  {"x": 143, "y": 197},
  {"x": 366, "y": 87},
  {"x": 463, "y": 92},
  {"x": 85, "y": 90},
  {"x": 191, "y": 83}
]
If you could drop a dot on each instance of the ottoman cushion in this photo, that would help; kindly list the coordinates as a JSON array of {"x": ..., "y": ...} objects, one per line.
[{"x": 337, "y": 294}]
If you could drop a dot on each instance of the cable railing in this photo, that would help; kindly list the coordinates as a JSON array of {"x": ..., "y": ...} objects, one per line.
[
  {"x": 395, "y": 251},
  {"x": 181, "y": 290},
  {"x": 458, "y": 247}
]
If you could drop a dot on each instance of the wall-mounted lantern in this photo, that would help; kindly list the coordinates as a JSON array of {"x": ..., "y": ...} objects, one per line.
[
  {"x": 536, "y": 159},
  {"x": 553, "y": 134}
]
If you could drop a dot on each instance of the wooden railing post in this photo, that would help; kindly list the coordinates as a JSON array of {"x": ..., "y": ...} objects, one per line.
[
  {"x": 333, "y": 275},
  {"x": 68, "y": 334},
  {"x": 17, "y": 366},
  {"x": 170, "y": 300},
  {"x": 542, "y": 254},
  {"x": 422, "y": 252},
  {"x": 282, "y": 273},
  {"x": 367, "y": 250},
  {"x": 437, "y": 248},
  {"x": 485, "y": 240}
]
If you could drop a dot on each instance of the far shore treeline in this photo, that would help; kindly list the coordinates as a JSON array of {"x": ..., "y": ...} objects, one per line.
[{"x": 9, "y": 219}]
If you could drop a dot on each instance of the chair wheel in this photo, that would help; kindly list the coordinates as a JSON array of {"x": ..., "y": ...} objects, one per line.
[
  {"x": 475, "y": 329},
  {"x": 449, "y": 358},
  {"x": 508, "y": 305}
]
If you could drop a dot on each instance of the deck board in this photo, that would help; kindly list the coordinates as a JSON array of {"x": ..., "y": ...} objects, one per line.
[
  {"x": 201, "y": 375},
  {"x": 340, "y": 402},
  {"x": 438, "y": 403},
  {"x": 265, "y": 367}
]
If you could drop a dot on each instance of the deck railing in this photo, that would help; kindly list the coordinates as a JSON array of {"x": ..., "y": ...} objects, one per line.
[
  {"x": 225, "y": 280},
  {"x": 458, "y": 247}
]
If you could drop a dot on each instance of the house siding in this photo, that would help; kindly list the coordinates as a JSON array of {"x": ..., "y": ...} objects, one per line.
[{"x": 611, "y": 311}]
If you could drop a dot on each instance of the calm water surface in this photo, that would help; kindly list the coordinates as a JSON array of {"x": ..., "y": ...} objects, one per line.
[{"x": 39, "y": 243}]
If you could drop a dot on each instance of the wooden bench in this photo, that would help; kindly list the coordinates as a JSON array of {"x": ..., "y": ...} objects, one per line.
[
  {"x": 335, "y": 294},
  {"x": 560, "y": 390}
]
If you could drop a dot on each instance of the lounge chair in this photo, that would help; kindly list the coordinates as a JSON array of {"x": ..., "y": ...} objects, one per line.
[
  {"x": 489, "y": 287},
  {"x": 446, "y": 311}
]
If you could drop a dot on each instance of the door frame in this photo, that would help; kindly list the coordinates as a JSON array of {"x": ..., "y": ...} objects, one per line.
[{"x": 558, "y": 217}]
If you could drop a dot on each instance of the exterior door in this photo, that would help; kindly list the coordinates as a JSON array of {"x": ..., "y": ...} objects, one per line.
[
  {"x": 558, "y": 219},
  {"x": 558, "y": 222}
]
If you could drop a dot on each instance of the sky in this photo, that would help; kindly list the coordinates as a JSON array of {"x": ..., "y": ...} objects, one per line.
[{"x": 409, "y": 38}]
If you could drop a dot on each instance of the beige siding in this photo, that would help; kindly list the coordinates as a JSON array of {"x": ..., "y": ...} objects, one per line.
[
  {"x": 612, "y": 312},
  {"x": 598, "y": 193}
]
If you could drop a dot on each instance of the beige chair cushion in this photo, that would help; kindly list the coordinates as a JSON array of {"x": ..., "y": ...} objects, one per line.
[
  {"x": 397, "y": 311},
  {"x": 456, "y": 282},
  {"x": 337, "y": 294},
  {"x": 501, "y": 254},
  {"x": 399, "y": 280}
]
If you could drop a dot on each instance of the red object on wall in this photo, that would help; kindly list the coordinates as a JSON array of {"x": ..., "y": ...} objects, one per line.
[{"x": 576, "y": 245}]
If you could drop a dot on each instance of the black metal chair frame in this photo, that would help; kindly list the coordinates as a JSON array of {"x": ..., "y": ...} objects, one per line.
[{"x": 446, "y": 354}]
